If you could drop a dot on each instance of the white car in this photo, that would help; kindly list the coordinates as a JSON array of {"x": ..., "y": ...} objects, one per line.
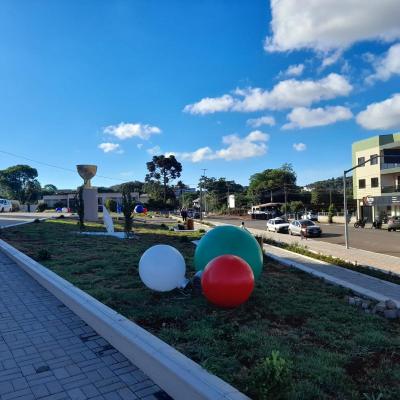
[
  {"x": 5, "y": 205},
  {"x": 277, "y": 225},
  {"x": 310, "y": 215}
]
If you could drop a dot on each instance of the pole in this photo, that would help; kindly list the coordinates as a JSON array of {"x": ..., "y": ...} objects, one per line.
[
  {"x": 201, "y": 194},
  {"x": 271, "y": 197},
  {"x": 346, "y": 227},
  {"x": 284, "y": 188}
]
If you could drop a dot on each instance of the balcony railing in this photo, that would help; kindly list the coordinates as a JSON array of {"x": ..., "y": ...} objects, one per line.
[
  {"x": 390, "y": 189},
  {"x": 390, "y": 165}
]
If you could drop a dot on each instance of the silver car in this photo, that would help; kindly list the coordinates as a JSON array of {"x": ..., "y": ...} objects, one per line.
[
  {"x": 304, "y": 227},
  {"x": 393, "y": 223}
]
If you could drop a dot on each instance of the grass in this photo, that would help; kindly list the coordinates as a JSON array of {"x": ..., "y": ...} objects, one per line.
[
  {"x": 296, "y": 338},
  {"x": 297, "y": 248}
]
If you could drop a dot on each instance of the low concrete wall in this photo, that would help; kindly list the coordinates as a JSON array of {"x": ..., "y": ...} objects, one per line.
[{"x": 175, "y": 373}]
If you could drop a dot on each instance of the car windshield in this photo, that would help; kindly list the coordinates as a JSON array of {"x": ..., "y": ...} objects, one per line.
[
  {"x": 280, "y": 221},
  {"x": 306, "y": 222}
]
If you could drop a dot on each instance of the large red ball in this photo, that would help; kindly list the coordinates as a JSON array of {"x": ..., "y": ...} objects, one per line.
[{"x": 227, "y": 281}]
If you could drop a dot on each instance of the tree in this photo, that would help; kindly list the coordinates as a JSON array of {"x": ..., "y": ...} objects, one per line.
[
  {"x": 128, "y": 206},
  {"x": 163, "y": 170},
  {"x": 217, "y": 191},
  {"x": 296, "y": 206},
  {"x": 20, "y": 183},
  {"x": 80, "y": 207},
  {"x": 275, "y": 180},
  {"x": 49, "y": 189}
]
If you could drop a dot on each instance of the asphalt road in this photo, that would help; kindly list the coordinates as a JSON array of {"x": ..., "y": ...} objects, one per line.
[{"x": 376, "y": 240}]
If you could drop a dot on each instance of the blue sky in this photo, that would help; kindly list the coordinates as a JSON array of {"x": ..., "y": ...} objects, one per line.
[{"x": 232, "y": 86}]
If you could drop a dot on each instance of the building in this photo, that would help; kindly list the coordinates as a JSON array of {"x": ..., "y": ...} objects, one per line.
[
  {"x": 66, "y": 198},
  {"x": 376, "y": 185}
]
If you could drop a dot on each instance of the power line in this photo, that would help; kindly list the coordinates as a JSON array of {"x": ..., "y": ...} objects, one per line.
[{"x": 56, "y": 166}]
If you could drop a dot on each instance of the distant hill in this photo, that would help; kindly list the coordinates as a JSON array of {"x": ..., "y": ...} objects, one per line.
[{"x": 334, "y": 184}]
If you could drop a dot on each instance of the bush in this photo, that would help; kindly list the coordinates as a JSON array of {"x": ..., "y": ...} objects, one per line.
[
  {"x": 331, "y": 210},
  {"x": 41, "y": 207},
  {"x": 270, "y": 378},
  {"x": 111, "y": 205},
  {"x": 43, "y": 255},
  {"x": 36, "y": 220}
]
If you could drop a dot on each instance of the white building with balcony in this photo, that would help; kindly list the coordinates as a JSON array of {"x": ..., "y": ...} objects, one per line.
[{"x": 376, "y": 185}]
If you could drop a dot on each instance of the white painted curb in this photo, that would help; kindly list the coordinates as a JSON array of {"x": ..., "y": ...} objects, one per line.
[
  {"x": 329, "y": 278},
  {"x": 175, "y": 373}
]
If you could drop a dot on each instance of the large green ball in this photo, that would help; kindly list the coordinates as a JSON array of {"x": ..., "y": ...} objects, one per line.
[{"x": 229, "y": 239}]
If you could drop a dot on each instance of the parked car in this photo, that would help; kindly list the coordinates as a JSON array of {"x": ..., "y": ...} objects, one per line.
[
  {"x": 310, "y": 215},
  {"x": 5, "y": 205},
  {"x": 393, "y": 223},
  {"x": 193, "y": 213},
  {"x": 304, "y": 227},
  {"x": 277, "y": 225}
]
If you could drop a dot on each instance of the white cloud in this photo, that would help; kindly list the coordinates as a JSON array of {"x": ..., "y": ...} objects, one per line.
[
  {"x": 210, "y": 105},
  {"x": 293, "y": 70},
  {"x": 331, "y": 24},
  {"x": 139, "y": 145},
  {"x": 125, "y": 131},
  {"x": 387, "y": 65},
  {"x": 154, "y": 150},
  {"x": 252, "y": 145},
  {"x": 257, "y": 122},
  {"x": 299, "y": 146},
  {"x": 285, "y": 94},
  {"x": 303, "y": 117},
  {"x": 381, "y": 115},
  {"x": 110, "y": 147}
]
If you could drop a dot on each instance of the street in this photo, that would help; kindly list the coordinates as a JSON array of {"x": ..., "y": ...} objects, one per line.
[{"x": 375, "y": 240}]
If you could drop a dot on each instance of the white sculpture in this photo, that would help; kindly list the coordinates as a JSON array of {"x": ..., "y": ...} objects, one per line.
[{"x": 108, "y": 222}]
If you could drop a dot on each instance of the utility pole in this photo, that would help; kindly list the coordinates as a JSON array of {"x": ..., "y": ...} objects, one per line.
[
  {"x": 285, "y": 191},
  {"x": 201, "y": 194}
]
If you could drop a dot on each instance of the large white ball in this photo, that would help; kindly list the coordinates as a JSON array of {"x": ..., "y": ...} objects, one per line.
[{"x": 162, "y": 268}]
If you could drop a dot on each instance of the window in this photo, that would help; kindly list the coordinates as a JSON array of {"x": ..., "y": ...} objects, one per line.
[
  {"x": 374, "y": 159},
  {"x": 374, "y": 182},
  {"x": 360, "y": 161},
  {"x": 361, "y": 183}
]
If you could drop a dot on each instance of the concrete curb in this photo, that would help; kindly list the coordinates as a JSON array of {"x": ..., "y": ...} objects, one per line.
[
  {"x": 328, "y": 278},
  {"x": 175, "y": 373}
]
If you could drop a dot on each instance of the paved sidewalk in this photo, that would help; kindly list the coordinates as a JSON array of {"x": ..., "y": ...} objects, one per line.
[
  {"x": 363, "y": 284},
  {"x": 358, "y": 256},
  {"x": 47, "y": 352}
]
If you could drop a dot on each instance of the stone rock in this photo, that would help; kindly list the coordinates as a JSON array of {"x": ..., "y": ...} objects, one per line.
[
  {"x": 390, "y": 304},
  {"x": 352, "y": 301},
  {"x": 390, "y": 314},
  {"x": 358, "y": 301},
  {"x": 365, "y": 304},
  {"x": 380, "y": 307}
]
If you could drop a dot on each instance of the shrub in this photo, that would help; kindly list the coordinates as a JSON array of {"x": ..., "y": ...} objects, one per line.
[
  {"x": 270, "y": 378},
  {"x": 43, "y": 255},
  {"x": 36, "y": 220},
  {"x": 331, "y": 210},
  {"x": 41, "y": 207},
  {"x": 111, "y": 205}
]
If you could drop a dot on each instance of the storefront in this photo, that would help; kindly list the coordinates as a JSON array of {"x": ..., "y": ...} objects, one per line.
[{"x": 371, "y": 207}]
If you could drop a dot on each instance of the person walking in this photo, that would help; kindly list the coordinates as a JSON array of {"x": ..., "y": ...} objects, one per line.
[{"x": 184, "y": 214}]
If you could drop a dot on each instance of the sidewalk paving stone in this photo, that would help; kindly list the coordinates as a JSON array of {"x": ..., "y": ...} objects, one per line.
[{"x": 47, "y": 352}]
